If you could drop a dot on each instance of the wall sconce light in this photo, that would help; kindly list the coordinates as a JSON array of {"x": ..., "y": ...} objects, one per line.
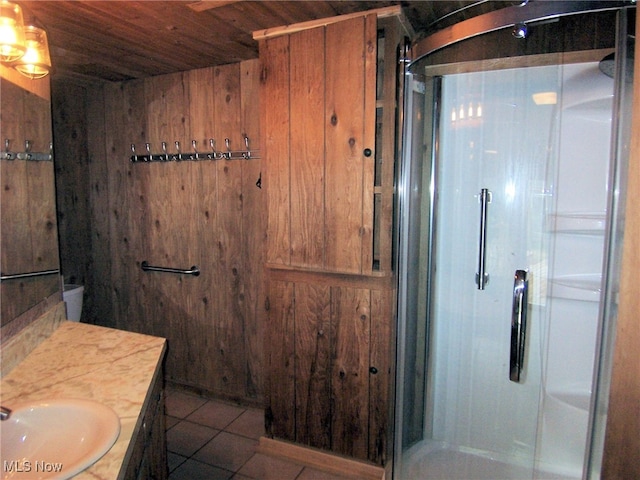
[
  {"x": 24, "y": 48},
  {"x": 12, "y": 45},
  {"x": 36, "y": 62}
]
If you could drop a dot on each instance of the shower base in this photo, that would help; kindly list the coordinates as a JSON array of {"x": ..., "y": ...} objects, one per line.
[{"x": 434, "y": 461}]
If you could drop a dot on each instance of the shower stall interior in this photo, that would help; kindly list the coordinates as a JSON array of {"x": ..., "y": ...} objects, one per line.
[{"x": 509, "y": 219}]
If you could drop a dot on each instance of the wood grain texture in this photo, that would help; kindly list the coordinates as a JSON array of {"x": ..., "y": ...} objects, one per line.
[
  {"x": 204, "y": 299},
  {"x": 381, "y": 385},
  {"x": 344, "y": 126},
  {"x": 72, "y": 189},
  {"x": 320, "y": 460},
  {"x": 320, "y": 238},
  {"x": 307, "y": 96},
  {"x": 98, "y": 305},
  {"x": 312, "y": 333},
  {"x": 178, "y": 214},
  {"x": 229, "y": 229},
  {"x": 351, "y": 330},
  {"x": 369, "y": 140},
  {"x": 280, "y": 362},
  {"x": 274, "y": 96},
  {"x": 252, "y": 240}
]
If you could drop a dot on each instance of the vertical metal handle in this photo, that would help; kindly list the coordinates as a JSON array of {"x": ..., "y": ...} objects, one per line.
[
  {"x": 482, "y": 277},
  {"x": 518, "y": 324}
]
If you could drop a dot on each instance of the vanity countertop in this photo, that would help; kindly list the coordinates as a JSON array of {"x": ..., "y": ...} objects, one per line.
[{"x": 78, "y": 360}]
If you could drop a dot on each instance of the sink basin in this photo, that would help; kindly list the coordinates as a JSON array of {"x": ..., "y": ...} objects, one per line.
[{"x": 55, "y": 439}]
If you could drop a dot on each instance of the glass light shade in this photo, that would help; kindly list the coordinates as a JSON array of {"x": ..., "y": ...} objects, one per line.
[
  {"x": 12, "y": 45},
  {"x": 35, "y": 63}
]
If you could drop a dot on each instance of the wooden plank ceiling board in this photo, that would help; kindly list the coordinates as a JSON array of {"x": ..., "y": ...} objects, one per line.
[{"x": 120, "y": 40}]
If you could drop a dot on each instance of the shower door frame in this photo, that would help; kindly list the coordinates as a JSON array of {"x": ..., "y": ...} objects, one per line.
[{"x": 497, "y": 20}]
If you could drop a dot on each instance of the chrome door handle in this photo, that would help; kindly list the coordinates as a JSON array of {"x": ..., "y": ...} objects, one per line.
[
  {"x": 482, "y": 277},
  {"x": 518, "y": 324}
]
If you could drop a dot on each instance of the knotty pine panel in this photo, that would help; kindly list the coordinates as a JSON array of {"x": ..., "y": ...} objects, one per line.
[
  {"x": 254, "y": 224},
  {"x": 229, "y": 230},
  {"x": 280, "y": 377},
  {"x": 98, "y": 305},
  {"x": 307, "y": 97},
  {"x": 72, "y": 189},
  {"x": 179, "y": 214},
  {"x": 124, "y": 119},
  {"x": 381, "y": 380},
  {"x": 205, "y": 306},
  {"x": 331, "y": 360},
  {"x": 344, "y": 126},
  {"x": 317, "y": 120},
  {"x": 167, "y": 239},
  {"x": 275, "y": 111},
  {"x": 351, "y": 331},
  {"x": 313, "y": 338}
]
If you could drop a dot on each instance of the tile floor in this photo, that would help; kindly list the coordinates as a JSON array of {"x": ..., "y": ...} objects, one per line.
[{"x": 215, "y": 440}]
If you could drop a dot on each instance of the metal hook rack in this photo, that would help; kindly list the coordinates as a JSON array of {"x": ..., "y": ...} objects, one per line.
[
  {"x": 195, "y": 155},
  {"x": 28, "y": 155}
]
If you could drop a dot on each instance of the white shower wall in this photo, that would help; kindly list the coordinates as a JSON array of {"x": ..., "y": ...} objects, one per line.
[{"x": 577, "y": 228}]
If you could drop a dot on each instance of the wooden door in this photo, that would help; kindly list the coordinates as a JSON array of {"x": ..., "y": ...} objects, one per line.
[{"x": 330, "y": 306}]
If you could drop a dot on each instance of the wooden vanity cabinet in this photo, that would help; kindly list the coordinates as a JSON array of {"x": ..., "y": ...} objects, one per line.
[
  {"x": 148, "y": 457},
  {"x": 328, "y": 96}
]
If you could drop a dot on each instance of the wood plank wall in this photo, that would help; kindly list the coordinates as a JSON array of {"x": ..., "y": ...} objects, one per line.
[
  {"x": 320, "y": 211},
  {"x": 29, "y": 235},
  {"x": 177, "y": 214},
  {"x": 328, "y": 347}
]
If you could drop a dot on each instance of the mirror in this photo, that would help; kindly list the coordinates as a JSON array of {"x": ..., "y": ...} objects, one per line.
[{"x": 28, "y": 232}]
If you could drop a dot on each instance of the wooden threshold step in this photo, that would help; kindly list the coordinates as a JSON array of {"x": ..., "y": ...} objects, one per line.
[{"x": 320, "y": 460}]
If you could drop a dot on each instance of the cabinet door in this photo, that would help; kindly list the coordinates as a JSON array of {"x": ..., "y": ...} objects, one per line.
[
  {"x": 318, "y": 93},
  {"x": 328, "y": 365}
]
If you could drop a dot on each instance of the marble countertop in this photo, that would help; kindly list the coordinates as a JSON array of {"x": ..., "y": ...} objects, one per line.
[{"x": 78, "y": 360}]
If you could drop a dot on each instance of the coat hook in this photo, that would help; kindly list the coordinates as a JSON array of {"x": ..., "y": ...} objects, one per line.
[
  {"x": 247, "y": 153},
  {"x": 27, "y": 149},
  {"x": 133, "y": 151},
  {"x": 148, "y": 157},
  {"x": 259, "y": 182},
  {"x": 8, "y": 154},
  {"x": 226, "y": 143},
  {"x": 194, "y": 144},
  {"x": 164, "y": 151},
  {"x": 178, "y": 150}
]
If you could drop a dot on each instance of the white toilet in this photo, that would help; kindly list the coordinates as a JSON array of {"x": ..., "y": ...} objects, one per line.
[{"x": 72, "y": 296}]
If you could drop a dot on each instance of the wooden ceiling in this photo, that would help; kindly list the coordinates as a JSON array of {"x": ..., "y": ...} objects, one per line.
[{"x": 121, "y": 40}]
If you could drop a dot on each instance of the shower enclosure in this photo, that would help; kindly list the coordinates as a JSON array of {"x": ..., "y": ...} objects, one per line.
[{"x": 508, "y": 233}]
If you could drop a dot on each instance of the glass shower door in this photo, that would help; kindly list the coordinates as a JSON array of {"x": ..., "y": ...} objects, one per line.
[{"x": 477, "y": 259}]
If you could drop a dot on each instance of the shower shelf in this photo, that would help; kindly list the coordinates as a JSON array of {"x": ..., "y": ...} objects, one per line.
[
  {"x": 578, "y": 223},
  {"x": 584, "y": 287}
]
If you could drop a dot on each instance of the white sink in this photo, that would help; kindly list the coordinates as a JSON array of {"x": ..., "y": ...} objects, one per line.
[{"x": 55, "y": 439}]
